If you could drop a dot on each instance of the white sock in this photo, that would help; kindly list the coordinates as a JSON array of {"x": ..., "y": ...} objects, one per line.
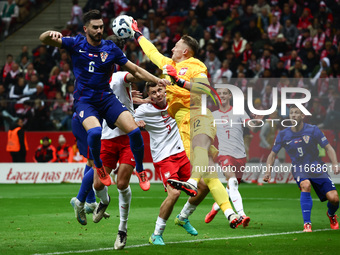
[
  {"x": 228, "y": 212},
  {"x": 216, "y": 207},
  {"x": 103, "y": 195},
  {"x": 124, "y": 207},
  {"x": 160, "y": 226},
  {"x": 235, "y": 196},
  {"x": 193, "y": 182},
  {"x": 187, "y": 210}
]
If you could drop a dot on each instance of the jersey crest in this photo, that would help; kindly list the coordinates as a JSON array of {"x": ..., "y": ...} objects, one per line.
[
  {"x": 306, "y": 138},
  {"x": 104, "y": 55},
  {"x": 182, "y": 71}
]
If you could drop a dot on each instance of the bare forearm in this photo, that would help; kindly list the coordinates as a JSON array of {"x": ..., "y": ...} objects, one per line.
[
  {"x": 331, "y": 154},
  {"x": 52, "y": 38}
]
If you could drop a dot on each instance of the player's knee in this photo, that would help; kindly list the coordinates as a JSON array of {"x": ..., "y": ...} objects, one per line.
[
  {"x": 122, "y": 184},
  {"x": 174, "y": 193},
  {"x": 305, "y": 186},
  {"x": 333, "y": 198}
]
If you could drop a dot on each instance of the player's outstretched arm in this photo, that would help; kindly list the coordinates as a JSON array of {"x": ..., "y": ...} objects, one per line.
[
  {"x": 148, "y": 48},
  {"x": 269, "y": 165},
  {"x": 52, "y": 38},
  {"x": 332, "y": 156},
  {"x": 139, "y": 73}
]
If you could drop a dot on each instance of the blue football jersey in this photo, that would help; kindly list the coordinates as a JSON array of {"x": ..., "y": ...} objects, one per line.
[
  {"x": 302, "y": 148},
  {"x": 92, "y": 66}
]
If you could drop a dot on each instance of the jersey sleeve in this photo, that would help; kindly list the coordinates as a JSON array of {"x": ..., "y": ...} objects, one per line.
[
  {"x": 320, "y": 137},
  {"x": 139, "y": 113},
  {"x": 119, "y": 78},
  {"x": 153, "y": 54},
  {"x": 68, "y": 43},
  {"x": 120, "y": 57},
  {"x": 277, "y": 143}
]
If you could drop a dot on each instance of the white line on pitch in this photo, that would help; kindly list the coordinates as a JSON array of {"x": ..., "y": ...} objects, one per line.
[{"x": 185, "y": 241}]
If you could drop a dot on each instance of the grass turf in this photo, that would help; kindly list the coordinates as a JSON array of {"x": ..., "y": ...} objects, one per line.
[{"x": 38, "y": 219}]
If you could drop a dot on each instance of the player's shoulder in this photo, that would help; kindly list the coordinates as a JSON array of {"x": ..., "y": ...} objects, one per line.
[{"x": 198, "y": 64}]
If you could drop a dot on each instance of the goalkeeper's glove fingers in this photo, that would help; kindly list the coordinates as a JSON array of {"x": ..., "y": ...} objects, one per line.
[{"x": 134, "y": 27}]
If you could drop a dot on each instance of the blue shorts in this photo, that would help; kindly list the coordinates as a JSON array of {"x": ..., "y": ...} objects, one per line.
[
  {"x": 320, "y": 185},
  {"x": 81, "y": 135},
  {"x": 109, "y": 108}
]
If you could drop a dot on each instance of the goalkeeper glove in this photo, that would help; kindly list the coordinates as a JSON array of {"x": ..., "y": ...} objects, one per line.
[
  {"x": 171, "y": 71},
  {"x": 137, "y": 32}
]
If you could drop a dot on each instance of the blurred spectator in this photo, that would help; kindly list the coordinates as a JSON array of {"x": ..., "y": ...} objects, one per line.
[
  {"x": 39, "y": 93},
  {"x": 280, "y": 70},
  {"x": 30, "y": 71},
  {"x": 229, "y": 22},
  {"x": 259, "y": 6},
  {"x": 268, "y": 60},
  {"x": 41, "y": 117},
  {"x": 12, "y": 76},
  {"x": 17, "y": 91},
  {"x": 9, "y": 12},
  {"x": 23, "y": 64},
  {"x": 298, "y": 67},
  {"x": 248, "y": 16},
  {"x": 212, "y": 63},
  {"x": 60, "y": 113},
  {"x": 76, "y": 17},
  {"x": 333, "y": 110},
  {"x": 323, "y": 66},
  {"x": 239, "y": 44},
  {"x": 195, "y": 30},
  {"x": 274, "y": 28},
  {"x": 64, "y": 153},
  {"x": 252, "y": 33},
  {"x": 305, "y": 20},
  {"x": 311, "y": 62},
  {"x": 53, "y": 78},
  {"x": 319, "y": 39},
  {"x": 318, "y": 113},
  {"x": 75, "y": 154},
  {"x": 290, "y": 32},
  {"x": 24, "y": 52},
  {"x": 223, "y": 74},
  {"x": 31, "y": 86},
  {"x": 7, "y": 67},
  {"x": 302, "y": 39},
  {"x": 324, "y": 15},
  {"x": 17, "y": 142},
  {"x": 264, "y": 20},
  {"x": 45, "y": 152},
  {"x": 26, "y": 113}
]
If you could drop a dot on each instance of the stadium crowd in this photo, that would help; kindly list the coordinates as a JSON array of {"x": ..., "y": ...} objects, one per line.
[{"x": 259, "y": 44}]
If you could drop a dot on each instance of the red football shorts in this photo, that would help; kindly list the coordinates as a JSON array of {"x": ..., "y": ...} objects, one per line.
[
  {"x": 116, "y": 150},
  {"x": 174, "y": 167},
  {"x": 237, "y": 165}
]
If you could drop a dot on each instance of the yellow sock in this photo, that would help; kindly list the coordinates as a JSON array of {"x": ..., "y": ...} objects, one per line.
[
  {"x": 218, "y": 192},
  {"x": 200, "y": 162}
]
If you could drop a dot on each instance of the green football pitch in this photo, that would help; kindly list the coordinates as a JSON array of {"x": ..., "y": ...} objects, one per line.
[{"x": 38, "y": 219}]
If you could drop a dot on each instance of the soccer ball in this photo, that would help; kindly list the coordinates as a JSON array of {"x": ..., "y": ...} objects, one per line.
[{"x": 121, "y": 26}]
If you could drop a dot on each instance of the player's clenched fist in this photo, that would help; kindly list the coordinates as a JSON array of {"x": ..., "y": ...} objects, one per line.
[{"x": 55, "y": 35}]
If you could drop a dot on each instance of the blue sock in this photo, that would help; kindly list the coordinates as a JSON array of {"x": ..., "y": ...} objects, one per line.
[
  {"x": 306, "y": 206},
  {"x": 86, "y": 187},
  {"x": 93, "y": 140},
  {"x": 137, "y": 148},
  {"x": 332, "y": 208}
]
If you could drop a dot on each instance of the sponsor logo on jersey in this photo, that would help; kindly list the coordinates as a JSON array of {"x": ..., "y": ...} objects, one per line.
[
  {"x": 103, "y": 56},
  {"x": 306, "y": 138},
  {"x": 81, "y": 114},
  {"x": 82, "y": 51},
  {"x": 183, "y": 71},
  {"x": 323, "y": 138}
]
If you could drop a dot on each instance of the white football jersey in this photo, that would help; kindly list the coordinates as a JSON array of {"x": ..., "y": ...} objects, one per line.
[
  {"x": 165, "y": 139},
  {"x": 230, "y": 133},
  {"x": 122, "y": 90}
]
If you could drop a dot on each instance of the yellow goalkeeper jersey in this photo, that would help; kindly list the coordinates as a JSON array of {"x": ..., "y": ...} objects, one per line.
[{"x": 176, "y": 96}]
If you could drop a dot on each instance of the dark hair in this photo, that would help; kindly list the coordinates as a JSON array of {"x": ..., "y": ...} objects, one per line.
[
  {"x": 191, "y": 42},
  {"x": 93, "y": 14},
  {"x": 149, "y": 85},
  {"x": 120, "y": 42}
]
